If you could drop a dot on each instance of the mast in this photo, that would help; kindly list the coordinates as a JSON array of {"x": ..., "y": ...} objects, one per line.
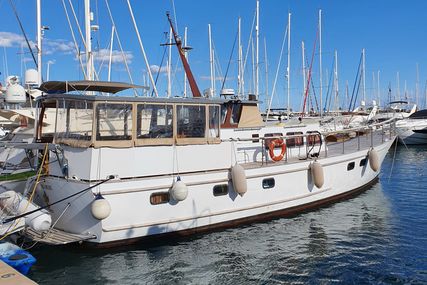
[
  {"x": 39, "y": 42},
  {"x": 186, "y": 56},
  {"x": 239, "y": 76},
  {"x": 336, "y": 80},
  {"x": 398, "y": 85},
  {"x": 320, "y": 61},
  {"x": 417, "y": 86},
  {"x": 303, "y": 70},
  {"x": 266, "y": 70},
  {"x": 88, "y": 18},
  {"x": 373, "y": 86},
  {"x": 211, "y": 60},
  {"x": 289, "y": 65},
  {"x": 346, "y": 92},
  {"x": 363, "y": 76},
  {"x": 111, "y": 53},
  {"x": 257, "y": 52},
  {"x": 378, "y": 88},
  {"x": 193, "y": 85},
  {"x": 169, "y": 65}
]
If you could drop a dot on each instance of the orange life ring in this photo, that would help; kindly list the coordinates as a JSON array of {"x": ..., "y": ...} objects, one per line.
[{"x": 277, "y": 143}]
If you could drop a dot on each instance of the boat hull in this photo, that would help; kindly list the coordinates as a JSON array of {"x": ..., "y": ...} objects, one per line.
[{"x": 133, "y": 217}]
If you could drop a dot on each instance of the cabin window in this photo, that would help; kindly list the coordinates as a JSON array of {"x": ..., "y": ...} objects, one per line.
[
  {"x": 268, "y": 183},
  {"x": 159, "y": 198},
  {"x": 191, "y": 121},
  {"x": 295, "y": 141},
  {"x": 350, "y": 166},
  {"x": 235, "y": 113},
  {"x": 224, "y": 109},
  {"x": 154, "y": 121},
  {"x": 268, "y": 141},
  {"x": 220, "y": 190},
  {"x": 255, "y": 138},
  {"x": 313, "y": 138},
  {"x": 363, "y": 162},
  {"x": 114, "y": 122},
  {"x": 74, "y": 120},
  {"x": 214, "y": 121}
]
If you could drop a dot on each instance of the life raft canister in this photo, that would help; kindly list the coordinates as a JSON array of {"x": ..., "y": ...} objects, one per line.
[{"x": 277, "y": 143}]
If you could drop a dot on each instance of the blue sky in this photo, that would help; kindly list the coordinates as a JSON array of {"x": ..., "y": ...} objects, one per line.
[{"x": 392, "y": 32}]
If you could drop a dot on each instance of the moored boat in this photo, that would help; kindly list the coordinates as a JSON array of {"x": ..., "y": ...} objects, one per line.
[{"x": 120, "y": 169}]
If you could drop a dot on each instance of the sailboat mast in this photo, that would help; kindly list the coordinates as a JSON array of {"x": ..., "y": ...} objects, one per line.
[
  {"x": 378, "y": 89},
  {"x": 320, "y": 61},
  {"x": 266, "y": 70},
  {"x": 336, "y": 80},
  {"x": 239, "y": 61},
  {"x": 303, "y": 72},
  {"x": 186, "y": 56},
  {"x": 193, "y": 85},
  {"x": 169, "y": 65},
  {"x": 89, "y": 67},
  {"x": 417, "y": 86},
  {"x": 39, "y": 42},
  {"x": 289, "y": 65},
  {"x": 398, "y": 85},
  {"x": 211, "y": 60},
  {"x": 111, "y": 52},
  {"x": 363, "y": 76},
  {"x": 257, "y": 52}
]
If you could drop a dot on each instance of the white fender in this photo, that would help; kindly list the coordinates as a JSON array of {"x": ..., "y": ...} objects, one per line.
[
  {"x": 316, "y": 170},
  {"x": 15, "y": 204},
  {"x": 238, "y": 177},
  {"x": 374, "y": 160},
  {"x": 179, "y": 190},
  {"x": 100, "y": 208}
]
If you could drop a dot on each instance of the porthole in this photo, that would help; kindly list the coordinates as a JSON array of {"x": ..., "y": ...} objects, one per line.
[
  {"x": 350, "y": 166},
  {"x": 220, "y": 190},
  {"x": 268, "y": 183},
  {"x": 363, "y": 162},
  {"x": 159, "y": 198}
]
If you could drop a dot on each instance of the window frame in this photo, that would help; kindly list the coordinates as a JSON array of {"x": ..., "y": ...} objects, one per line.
[{"x": 154, "y": 141}]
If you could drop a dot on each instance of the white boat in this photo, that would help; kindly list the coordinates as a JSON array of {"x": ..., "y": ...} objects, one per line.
[
  {"x": 413, "y": 130},
  {"x": 121, "y": 169}
]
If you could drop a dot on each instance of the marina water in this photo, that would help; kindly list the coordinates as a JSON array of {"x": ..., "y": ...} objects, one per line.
[{"x": 378, "y": 237}]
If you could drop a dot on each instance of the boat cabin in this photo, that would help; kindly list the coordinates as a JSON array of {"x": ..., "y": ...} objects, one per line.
[{"x": 117, "y": 121}]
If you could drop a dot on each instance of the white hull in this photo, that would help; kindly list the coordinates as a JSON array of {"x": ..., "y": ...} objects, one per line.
[
  {"x": 133, "y": 216},
  {"x": 412, "y": 131}
]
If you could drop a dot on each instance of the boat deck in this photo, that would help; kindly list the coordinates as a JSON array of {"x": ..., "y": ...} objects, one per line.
[{"x": 357, "y": 142}]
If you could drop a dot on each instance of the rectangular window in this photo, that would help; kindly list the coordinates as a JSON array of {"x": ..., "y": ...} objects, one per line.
[
  {"x": 220, "y": 190},
  {"x": 74, "y": 120},
  {"x": 255, "y": 138},
  {"x": 154, "y": 121},
  {"x": 159, "y": 198},
  {"x": 235, "y": 113},
  {"x": 296, "y": 141},
  {"x": 350, "y": 166},
  {"x": 268, "y": 141},
  {"x": 214, "y": 121},
  {"x": 114, "y": 122},
  {"x": 313, "y": 139},
  {"x": 191, "y": 121},
  {"x": 268, "y": 183}
]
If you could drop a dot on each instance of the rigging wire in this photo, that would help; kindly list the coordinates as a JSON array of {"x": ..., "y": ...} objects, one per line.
[
  {"x": 23, "y": 32},
  {"x": 229, "y": 61}
]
